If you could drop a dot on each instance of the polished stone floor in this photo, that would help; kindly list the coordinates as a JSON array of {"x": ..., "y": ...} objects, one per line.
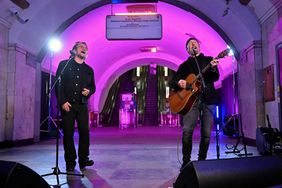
[{"x": 143, "y": 157}]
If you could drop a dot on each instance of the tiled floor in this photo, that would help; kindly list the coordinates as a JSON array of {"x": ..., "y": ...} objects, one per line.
[{"x": 143, "y": 157}]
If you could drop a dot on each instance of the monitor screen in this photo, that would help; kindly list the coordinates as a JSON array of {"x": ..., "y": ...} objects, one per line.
[{"x": 134, "y": 27}]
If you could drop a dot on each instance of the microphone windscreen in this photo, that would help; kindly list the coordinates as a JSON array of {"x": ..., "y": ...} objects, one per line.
[{"x": 72, "y": 52}]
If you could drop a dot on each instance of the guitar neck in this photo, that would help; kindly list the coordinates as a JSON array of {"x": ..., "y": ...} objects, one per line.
[
  {"x": 204, "y": 70},
  {"x": 219, "y": 56}
]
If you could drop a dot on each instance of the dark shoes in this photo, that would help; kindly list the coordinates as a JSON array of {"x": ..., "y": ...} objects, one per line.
[
  {"x": 87, "y": 163},
  {"x": 70, "y": 166}
]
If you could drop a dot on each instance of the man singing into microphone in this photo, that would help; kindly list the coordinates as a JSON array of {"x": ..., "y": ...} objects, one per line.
[
  {"x": 75, "y": 88},
  {"x": 204, "y": 106}
]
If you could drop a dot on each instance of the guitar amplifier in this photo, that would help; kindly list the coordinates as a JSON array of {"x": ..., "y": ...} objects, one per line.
[{"x": 267, "y": 138}]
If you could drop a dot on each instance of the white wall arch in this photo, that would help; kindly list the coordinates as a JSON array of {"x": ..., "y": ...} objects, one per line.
[{"x": 123, "y": 65}]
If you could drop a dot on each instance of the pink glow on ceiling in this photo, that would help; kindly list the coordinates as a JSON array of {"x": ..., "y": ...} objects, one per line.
[{"x": 110, "y": 59}]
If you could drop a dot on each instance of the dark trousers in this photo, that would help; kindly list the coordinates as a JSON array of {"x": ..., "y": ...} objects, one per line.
[
  {"x": 205, "y": 113},
  {"x": 78, "y": 112}
]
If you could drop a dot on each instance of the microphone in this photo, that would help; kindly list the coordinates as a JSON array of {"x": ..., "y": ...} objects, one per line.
[
  {"x": 72, "y": 52},
  {"x": 194, "y": 49}
]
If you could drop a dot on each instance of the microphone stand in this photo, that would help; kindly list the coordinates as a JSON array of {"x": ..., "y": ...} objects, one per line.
[
  {"x": 200, "y": 71},
  {"x": 56, "y": 170},
  {"x": 204, "y": 87}
]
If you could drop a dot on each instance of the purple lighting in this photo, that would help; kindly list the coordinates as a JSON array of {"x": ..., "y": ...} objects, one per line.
[{"x": 110, "y": 59}]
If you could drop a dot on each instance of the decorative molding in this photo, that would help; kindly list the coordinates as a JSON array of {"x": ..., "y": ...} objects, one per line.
[
  {"x": 5, "y": 23},
  {"x": 17, "y": 47},
  {"x": 270, "y": 12},
  {"x": 255, "y": 44},
  {"x": 31, "y": 59}
]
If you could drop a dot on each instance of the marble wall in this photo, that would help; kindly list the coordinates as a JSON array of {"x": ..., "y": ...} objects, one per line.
[
  {"x": 17, "y": 91},
  {"x": 4, "y": 35},
  {"x": 253, "y": 59},
  {"x": 250, "y": 89},
  {"x": 21, "y": 96},
  {"x": 271, "y": 37}
]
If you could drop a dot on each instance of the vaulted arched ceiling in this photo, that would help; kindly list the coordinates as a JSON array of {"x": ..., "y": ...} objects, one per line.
[{"x": 85, "y": 20}]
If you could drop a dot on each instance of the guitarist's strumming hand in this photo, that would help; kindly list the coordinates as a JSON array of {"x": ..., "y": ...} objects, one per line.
[{"x": 182, "y": 84}]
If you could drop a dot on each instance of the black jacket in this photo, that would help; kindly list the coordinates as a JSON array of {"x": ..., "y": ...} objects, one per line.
[
  {"x": 74, "y": 78},
  {"x": 210, "y": 76}
]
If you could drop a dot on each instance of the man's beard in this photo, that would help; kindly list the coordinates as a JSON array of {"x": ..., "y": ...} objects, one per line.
[
  {"x": 192, "y": 52},
  {"x": 81, "y": 56}
]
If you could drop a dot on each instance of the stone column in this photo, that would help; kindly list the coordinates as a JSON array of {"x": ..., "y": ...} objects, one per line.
[
  {"x": 250, "y": 89},
  {"x": 20, "y": 120},
  {"x": 4, "y": 36}
]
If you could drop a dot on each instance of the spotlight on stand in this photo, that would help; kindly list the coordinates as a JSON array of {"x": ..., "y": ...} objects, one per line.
[{"x": 54, "y": 45}]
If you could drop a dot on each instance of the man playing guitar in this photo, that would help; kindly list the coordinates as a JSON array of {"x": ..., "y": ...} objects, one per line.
[{"x": 203, "y": 106}]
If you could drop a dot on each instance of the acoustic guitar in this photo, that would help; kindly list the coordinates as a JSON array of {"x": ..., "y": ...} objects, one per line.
[{"x": 182, "y": 100}]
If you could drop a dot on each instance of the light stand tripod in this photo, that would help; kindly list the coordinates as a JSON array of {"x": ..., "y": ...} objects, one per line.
[
  {"x": 49, "y": 96},
  {"x": 240, "y": 136},
  {"x": 56, "y": 170},
  {"x": 240, "y": 126}
]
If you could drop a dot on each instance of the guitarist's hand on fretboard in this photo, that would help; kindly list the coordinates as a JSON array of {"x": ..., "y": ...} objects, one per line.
[{"x": 214, "y": 62}]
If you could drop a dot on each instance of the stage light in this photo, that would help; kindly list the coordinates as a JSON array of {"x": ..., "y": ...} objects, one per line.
[
  {"x": 54, "y": 45},
  {"x": 231, "y": 52}
]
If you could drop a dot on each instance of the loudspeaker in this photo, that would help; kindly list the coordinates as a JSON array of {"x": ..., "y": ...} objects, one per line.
[
  {"x": 16, "y": 175},
  {"x": 248, "y": 172}
]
